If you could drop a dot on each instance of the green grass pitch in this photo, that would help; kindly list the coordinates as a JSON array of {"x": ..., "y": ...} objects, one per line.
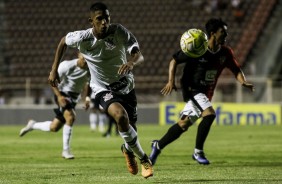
[{"x": 238, "y": 154}]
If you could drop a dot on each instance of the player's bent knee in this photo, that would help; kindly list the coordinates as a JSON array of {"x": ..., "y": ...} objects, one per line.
[
  {"x": 185, "y": 124},
  {"x": 55, "y": 128},
  {"x": 69, "y": 117},
  {"x": 122, "y": 122},
  {"x": 121, "y": 119}
]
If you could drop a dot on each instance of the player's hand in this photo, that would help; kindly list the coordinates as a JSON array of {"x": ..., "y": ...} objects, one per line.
[
  {"x": 125, "y": 68},
  {"x": 87, "y": 103},
  {"x": 53, "y": 79},
  {"x": 168, "y": 89},
  {"x": 62, "y": 101},
  {"x": 249, "y": 86}
]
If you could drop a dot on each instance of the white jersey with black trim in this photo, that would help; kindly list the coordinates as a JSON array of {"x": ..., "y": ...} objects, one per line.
[
  {"x": 72, "y": 77},
  {"x": 105, "y": 56}
]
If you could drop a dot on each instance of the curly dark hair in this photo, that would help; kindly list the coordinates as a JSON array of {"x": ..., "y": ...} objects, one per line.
[
  {"x": 98, "y": 6},
  {"x": 213, "y": 25}
]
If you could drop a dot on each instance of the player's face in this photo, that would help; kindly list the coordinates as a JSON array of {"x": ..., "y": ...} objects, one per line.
[
  {"x": 100, "y": 21},
  {"x": 221, "y": 35}
]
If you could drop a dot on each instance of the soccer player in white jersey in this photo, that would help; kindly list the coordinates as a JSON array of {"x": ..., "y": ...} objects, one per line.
[
  {"x": 74, "y": 77},
  {"x": 105, "y": 47}
]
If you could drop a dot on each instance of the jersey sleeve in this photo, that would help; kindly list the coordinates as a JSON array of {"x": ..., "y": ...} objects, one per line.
[
  {"x": 180, "y": 57},
  {"x": 232, "y": 63},
  {"x": 73, "y": 39},
  {"x": 128, "y": 39}
]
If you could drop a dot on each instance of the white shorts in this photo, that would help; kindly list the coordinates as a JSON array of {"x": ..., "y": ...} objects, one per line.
[{"x": 194, "y": 107}]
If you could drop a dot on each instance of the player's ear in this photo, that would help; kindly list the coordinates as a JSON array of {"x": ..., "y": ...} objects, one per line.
[{"x": 90, "y": 20}]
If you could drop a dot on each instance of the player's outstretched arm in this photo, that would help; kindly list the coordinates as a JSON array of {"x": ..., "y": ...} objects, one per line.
[
  {"x": 171, "y": 79},
  {"x": 136, "y": 59},
  {"x": 61, "y": 98},
  {"x": 168, "y": 89},
  {"x": 53, "y": 76},
  {"x": 249, "y": 86},
  {"x": 87, "y": 93},
  {"x": 242, "y": 79}
]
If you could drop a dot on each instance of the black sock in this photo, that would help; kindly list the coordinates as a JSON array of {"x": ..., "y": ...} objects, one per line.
[
  {"x": 172, "y": 134},
  {"x": 203, "y": 131}
]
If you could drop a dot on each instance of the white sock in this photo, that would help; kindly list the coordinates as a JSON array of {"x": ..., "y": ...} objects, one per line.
[
  {"x": 67, "y": 130},
  {"x": 102, "y": 120},
  {"x": 197, "y": 150},
  {"x": 44, "y": 126},
  {"x": 93, "y": 119},
  {"x": 132, "y": 142}
]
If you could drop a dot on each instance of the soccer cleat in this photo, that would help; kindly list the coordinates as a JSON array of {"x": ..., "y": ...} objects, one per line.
[
  {"x": 130, "y": 160},
  {"x": 67, "y": 154},
  {"x": 155, "y": 152},
  {"x": 27, "y": 128},
  {"x": 200, "y": 158},
  {"x": 147, "y": 167}
]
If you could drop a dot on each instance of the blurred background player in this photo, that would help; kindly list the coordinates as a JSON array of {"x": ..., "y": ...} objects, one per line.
[
  {"x": 111, "y": 124},
  {"x": 198, "y": 82},
  {"x": 97, "y": 117},
  {"x": 105, "y": 47},
  {"x": 74, "y": 76}
]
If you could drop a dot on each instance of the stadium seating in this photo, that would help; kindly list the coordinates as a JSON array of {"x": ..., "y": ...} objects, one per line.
[{"x": 33, "y": 30}]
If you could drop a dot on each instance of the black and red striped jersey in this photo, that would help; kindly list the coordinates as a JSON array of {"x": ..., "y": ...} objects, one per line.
[{"x": 201, "y": 74}]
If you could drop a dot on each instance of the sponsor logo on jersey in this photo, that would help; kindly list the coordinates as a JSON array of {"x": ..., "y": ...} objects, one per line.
[
  {"x": 109, "y": 42},
  {"x": 210, "y": 75},
  {"x": 108, "y": 96},
  {"x": 203, "y": 60}
]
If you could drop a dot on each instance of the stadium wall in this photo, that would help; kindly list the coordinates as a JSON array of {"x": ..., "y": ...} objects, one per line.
[
  {"x": 164, "y": 113},
  {"x": 16, "y": 115}
]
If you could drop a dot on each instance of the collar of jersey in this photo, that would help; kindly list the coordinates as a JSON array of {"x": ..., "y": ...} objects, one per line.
[{"x": 213, "y": 52}]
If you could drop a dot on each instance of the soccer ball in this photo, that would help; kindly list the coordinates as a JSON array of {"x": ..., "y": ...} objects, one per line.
[{"x": 194, "y": 43}]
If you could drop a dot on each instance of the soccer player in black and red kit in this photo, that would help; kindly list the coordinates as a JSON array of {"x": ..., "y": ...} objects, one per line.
[{"x": 198, "y": 82}]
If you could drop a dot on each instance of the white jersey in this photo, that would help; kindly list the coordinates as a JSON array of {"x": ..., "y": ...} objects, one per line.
[
  {"x": 105, "y": 56},
  {"x": 72, "y": 77}
]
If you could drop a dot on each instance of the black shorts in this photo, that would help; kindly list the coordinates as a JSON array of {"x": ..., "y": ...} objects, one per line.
[
  {"x": 96, "y": 103},
  {"x": 96, "y": 106},
  {"x": 188, "y": 93},
  {"x": 128, "y": 101}
]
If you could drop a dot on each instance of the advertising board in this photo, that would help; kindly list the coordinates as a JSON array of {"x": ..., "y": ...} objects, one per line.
[{"x": 228, "y": 113}]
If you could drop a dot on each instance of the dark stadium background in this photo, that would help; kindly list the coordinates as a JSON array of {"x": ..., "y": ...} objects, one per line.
[{"x": 31, "y": 29}]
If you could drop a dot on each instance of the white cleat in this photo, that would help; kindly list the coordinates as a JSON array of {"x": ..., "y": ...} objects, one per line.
[
  {"x": 67, "y": 154},
  {"x": 27, "y": 128}
]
